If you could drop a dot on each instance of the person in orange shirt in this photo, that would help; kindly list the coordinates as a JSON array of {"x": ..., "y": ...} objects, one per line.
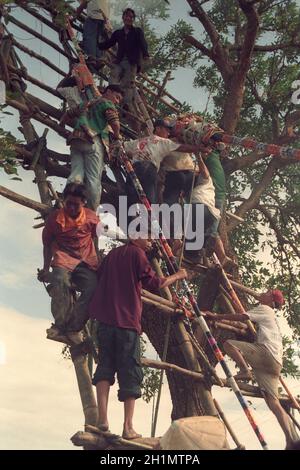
[{"x": 69, "y": 249}]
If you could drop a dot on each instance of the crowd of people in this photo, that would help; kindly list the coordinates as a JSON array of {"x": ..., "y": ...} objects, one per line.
[{"x": 110, "y": 290}]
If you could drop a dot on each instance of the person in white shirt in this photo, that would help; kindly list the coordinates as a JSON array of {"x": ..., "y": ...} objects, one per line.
[
  {"x": 95, "y": 27},
  {"x": 202, "y": 193},
  {"x": 147, "y": 154},
  {"x": 264, "y": 355}
]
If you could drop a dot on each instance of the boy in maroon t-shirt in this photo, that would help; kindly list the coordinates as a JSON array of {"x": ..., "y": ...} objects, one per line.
[{"x": 117, "y": 306}]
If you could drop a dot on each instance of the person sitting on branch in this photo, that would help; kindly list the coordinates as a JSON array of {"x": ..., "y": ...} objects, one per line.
[
  {"x": 68, "y": 239},
  {"x": 117, "y": 307},
  {"x": 264, "y": 355}
]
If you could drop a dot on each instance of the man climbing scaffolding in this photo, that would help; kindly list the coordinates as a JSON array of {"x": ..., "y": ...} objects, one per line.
[
  {"x": 69, "y": 248},
  {"x": 147, "y": 154},
  {"x": 89, "y": 141},
  {"x": 203, "y": 192},
  {"x": 117, "y": 306},
  {"x": 95, "y": 28},
  {"x": 192, "y": 129},
  {"x": 264, "y": 355},
  {"x": 132, "y": 48}
]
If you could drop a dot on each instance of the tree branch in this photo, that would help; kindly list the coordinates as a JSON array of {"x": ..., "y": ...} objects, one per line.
[
  {"x": 257, "y": 191},
  {"x": 194, "y": 42},
  {"x": 273, "y": 224},
  {"x": 24, "y": 201},
  {"x": 266, "y": 48},
  {"x": 251, "y": 33},
  {"x": 218, "y": 53}
]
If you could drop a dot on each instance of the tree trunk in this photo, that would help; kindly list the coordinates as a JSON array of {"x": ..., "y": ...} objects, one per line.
[
  {"x": 189, "y": 397},
  {"x": 233, "y": 104}
]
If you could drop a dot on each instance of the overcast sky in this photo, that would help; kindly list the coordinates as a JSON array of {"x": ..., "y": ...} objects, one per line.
[{"x": 39, "y": 401}]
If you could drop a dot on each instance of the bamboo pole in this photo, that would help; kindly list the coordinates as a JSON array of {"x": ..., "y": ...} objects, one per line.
[
  {"x": 106, "y": 440},
  {"x": 37, "y": 153},
  {"x": 157, "y": 85},
  {"x": 233, "y": 216},
  {"x": 34, "y": 81},
  {"x": 166, "y": 291},
  {"x": 158, "y": 298},
  {"x": 205, "y": 361},
  {"x": 228, "y": 426},
  {"x": 87, "y": 396},
  {"x": 161, "y": 365},
  {"x": 293, "y": 419},
  {"x": 40, "y": 17},
  {"x": 24, "y": 201},
  {"x": 36, "y": 226},
  {"x": 162, "y": 307},
  {"x": 38, "y": 35},
  {"x": 162, "y": 88},
  {"x": 45, "y": 107},
  {"x": 54, "y": 194},
  {"x": 296, "y": 405},
  {"x": 245, "y": 289},
  {"x": 42, "y": 59},
  {"x": 234, "y": 298},
  {"x": 224, "y": 326},
  {"x": 39, "y": 117},
  {"x": 162, "y": 100}
]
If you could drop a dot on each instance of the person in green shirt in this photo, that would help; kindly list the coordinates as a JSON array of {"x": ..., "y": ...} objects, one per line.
[
  {"x": 215, "y": 168},
  {"x": 89, "y": 140}
]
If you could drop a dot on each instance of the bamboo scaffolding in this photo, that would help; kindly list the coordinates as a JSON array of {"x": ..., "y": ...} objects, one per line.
[
  {"x": 162, "y": 100},
  {"x": 163, "y": 304},
  {"x": 24, "y": 201},
  {"x": 161, "y": 365},
  {"x": 162, "y": 88},
  {"x": 37, "y": 56},
  {"x": 249, "y": 390},
  {"x": 228, "y": 426},
  {"x": 39, "y": 117},
  {"x": 162, "y": 307},
  {"x": 38, "y": 36},
  {"x": 40, "y": 17},
  {"x": 34, "y": 81}
]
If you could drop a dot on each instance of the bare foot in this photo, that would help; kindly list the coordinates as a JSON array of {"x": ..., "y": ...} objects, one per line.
[
  {"x": 103, "y": 427},
  {"x": 244, "y": 375},
  {"x": 130, "y": 434},
  {"x": 99, "y": 429}
]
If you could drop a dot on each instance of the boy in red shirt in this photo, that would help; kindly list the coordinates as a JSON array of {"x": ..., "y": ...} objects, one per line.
[{"x": 117, "y": 306}]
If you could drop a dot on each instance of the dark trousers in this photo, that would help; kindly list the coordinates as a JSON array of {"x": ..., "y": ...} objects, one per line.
[
  {"x": 93, "y": 32},
  {"x": 177, "y": 182},
  {"x": 67, "y": 315},
  {"x": 147, "y": 174},
  {"x": 119, "y": 353}
]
